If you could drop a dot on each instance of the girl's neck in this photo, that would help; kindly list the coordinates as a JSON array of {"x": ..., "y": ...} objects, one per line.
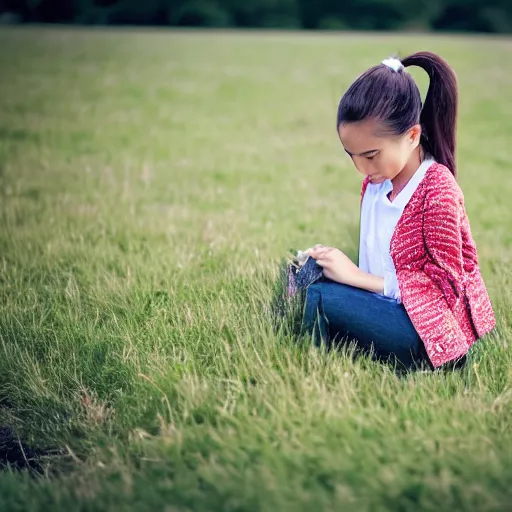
[{"x": 403, "y": 177}]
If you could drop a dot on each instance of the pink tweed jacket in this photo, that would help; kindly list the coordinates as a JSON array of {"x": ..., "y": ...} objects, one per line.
[{"x": 437, "y": 269}]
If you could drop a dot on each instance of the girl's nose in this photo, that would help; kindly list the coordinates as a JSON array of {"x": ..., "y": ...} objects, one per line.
[{"x": 361, "y": 167}]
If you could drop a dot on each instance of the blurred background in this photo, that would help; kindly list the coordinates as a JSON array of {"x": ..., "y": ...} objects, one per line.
[{"x": 489, "y": 16}]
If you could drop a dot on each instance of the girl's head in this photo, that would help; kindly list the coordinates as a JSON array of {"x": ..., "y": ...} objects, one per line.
[{"x": 381, "y": 121}]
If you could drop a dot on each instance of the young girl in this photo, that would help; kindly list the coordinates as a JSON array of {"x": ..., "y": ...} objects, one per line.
[{"x": 417, "y": 294}]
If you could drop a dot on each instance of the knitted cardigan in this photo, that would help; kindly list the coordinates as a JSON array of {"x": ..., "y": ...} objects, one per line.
[{"x": 437, "y": 270}]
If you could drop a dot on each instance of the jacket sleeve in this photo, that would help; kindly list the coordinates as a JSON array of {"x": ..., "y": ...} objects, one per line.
[
  {"x": 442, "y": 235},
  {"x": 430, "y": 294}
]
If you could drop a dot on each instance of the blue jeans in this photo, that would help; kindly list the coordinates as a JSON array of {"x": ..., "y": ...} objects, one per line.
[{"x": 379, "y": 325}]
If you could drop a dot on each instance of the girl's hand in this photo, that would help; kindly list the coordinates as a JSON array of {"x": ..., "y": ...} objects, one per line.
[
  {"x": 337, "y": 266},
  {"x": 340, "y": 268}
]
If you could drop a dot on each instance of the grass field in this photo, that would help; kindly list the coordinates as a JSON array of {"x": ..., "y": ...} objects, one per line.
[{"x": 150, "y": 183}]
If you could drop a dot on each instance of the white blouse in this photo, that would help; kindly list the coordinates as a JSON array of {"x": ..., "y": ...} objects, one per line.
[{"x": 379, "y": 217}]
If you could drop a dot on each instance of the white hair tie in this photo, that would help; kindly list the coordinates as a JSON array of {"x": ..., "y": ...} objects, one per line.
[{"x": 394, "y": 64}]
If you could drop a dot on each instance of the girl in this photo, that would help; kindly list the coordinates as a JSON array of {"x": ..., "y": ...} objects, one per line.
[{"x": 417, "y": 295}]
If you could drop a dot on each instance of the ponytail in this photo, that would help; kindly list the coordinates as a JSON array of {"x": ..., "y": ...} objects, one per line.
[{"x": 438, "y": 116}]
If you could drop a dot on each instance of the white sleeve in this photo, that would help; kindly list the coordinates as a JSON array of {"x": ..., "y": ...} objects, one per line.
[
  {"x": 391, "y": 288},
  {"x": 364, "y": 227}
]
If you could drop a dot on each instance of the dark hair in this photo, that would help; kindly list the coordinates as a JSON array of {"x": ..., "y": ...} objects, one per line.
[{"x": 394, "y": 98}]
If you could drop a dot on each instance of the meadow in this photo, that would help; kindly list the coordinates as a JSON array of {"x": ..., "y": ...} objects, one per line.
[{"x": 150, "y": 183}]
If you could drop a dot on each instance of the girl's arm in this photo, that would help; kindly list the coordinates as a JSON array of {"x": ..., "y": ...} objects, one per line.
[
  {"x": 359, "y": 279},
  {"x": 340, "y": 268}
]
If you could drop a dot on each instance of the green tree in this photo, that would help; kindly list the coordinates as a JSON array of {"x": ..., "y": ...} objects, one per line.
[{"x": 448, "y": 15}]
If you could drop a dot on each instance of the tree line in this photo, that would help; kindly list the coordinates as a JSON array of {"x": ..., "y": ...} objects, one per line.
[{"x": 445, "y": 15}]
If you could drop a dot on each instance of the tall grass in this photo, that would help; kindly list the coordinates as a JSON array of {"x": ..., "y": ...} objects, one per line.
[{"x": 150, "y": 183}]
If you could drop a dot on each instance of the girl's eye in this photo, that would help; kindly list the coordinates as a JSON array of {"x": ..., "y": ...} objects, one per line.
[{"x": 372, "y": 157}]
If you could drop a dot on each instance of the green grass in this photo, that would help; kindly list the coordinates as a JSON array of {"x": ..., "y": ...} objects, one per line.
[{"x": 150, "y": 183}]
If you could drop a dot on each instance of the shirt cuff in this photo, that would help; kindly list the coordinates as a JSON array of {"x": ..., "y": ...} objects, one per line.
[{"x": 391, "y": 288}]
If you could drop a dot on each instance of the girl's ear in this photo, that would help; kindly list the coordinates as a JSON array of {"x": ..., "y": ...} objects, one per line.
[{"x": 414, "y": 135}]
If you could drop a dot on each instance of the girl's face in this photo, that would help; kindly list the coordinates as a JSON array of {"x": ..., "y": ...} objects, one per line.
[{"x": 376, "y": 154}]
